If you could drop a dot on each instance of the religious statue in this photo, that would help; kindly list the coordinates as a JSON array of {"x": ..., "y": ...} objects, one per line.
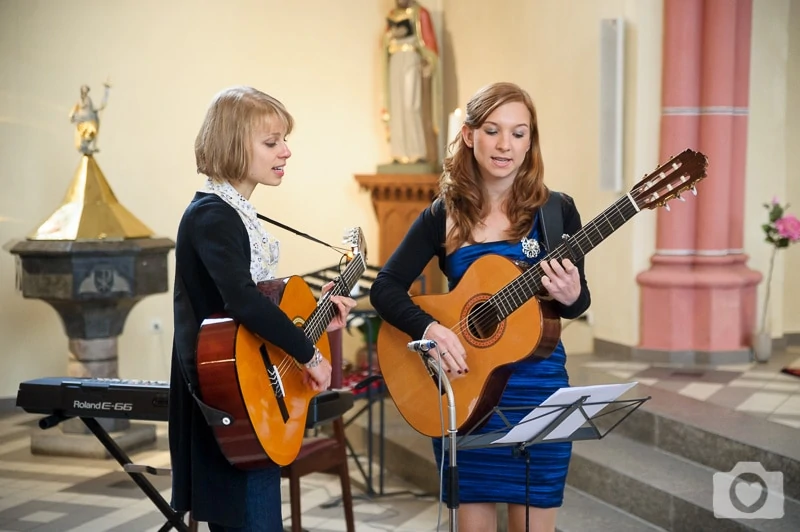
[
  {"x": 86, "y": 117},
  {"x": 411, "y": 85}
]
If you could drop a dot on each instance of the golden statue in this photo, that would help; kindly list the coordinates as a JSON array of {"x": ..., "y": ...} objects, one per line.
[
  {"x": 412, "y": 86},
  {"x": 90, "y": 209},
  {"x": 87, "y": 118}
]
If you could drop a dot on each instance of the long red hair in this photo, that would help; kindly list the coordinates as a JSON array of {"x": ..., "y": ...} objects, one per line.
[{"x": 461, "y": 187}]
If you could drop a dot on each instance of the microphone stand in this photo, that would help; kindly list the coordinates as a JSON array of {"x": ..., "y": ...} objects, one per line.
[{"x": 452, "y": 499}]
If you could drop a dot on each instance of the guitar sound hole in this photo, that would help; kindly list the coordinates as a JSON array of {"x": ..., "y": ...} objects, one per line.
[{"x": 482, "y": 321}]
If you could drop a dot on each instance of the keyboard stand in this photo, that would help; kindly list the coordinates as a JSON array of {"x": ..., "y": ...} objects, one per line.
[{"x": 174, "y": 519}]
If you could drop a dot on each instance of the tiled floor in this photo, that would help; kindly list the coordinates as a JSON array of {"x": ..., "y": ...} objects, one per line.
[
  {"x": 757, "y": 389},
  {"x": 70, "y": 494}
]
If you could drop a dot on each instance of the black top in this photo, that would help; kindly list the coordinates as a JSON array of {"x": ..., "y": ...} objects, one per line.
[
  {"x": 212, "y": 275},
  {"x": 424, "y": 240}
]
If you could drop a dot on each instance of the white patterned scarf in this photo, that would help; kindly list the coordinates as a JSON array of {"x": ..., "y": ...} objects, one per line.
[{"x": 264, "y": 248}]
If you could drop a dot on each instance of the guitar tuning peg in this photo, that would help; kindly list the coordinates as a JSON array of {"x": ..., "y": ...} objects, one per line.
[
  {"x": 694, "y": 191},
  {"x": 666, "y": 206},
  {"x": 680, "y": 198}
]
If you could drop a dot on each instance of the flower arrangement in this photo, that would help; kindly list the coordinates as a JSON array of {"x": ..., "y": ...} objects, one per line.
[{"x": 781, "y": 230}]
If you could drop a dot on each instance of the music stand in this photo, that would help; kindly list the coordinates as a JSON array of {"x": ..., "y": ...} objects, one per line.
[{"x": 562, "y": 417}]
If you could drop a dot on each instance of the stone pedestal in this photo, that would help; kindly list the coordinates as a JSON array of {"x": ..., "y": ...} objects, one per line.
[
  {"x": 65, "y": 442},
  {"x": 92, "y": 285},
  {"x": 398, "y": 199},
  {"x": 93, "y": 358}
]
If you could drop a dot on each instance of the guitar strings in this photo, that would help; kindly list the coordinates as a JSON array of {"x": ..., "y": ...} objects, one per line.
[
  {"x": 322, "y": 313},
  {"x": 488, "y": 315},
  {"x": 326, "y": 309},
  {"x": 531, "y": 279}
]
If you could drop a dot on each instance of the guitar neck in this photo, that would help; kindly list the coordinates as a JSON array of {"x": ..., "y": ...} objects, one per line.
[
  {"x": 322, "y": 315},
  {"x": 573, "y": 247}
]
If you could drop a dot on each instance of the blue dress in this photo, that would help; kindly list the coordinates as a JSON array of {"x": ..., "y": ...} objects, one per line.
[{"x": 495, "y": 474}]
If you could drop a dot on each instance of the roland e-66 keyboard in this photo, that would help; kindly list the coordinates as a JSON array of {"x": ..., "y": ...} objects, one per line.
[
  {"x": 135, "y": 399},
  {"x": 95, "y": 397},
  {"x": 61, "y": 398}
]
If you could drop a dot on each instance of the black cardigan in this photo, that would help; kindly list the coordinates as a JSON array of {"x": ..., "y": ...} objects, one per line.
[
  {"x": 212, "y": 275},
  {"x": 424, "y": 240}
]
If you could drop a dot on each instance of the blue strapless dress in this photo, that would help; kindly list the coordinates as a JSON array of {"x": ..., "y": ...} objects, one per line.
[{"x": 495, "y": 474}]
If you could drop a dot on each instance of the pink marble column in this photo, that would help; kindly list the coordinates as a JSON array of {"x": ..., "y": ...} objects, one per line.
[
  {"x": 694, "y": 297},
  {"x": 718, "y": 309},
  {"x": 741, "y": 102},
  {"x": 668, "y": 286}
]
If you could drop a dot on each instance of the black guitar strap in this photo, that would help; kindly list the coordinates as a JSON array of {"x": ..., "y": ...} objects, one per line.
[
  {"x": 214, "y": 416},
  {"x": 552, "y": 221},
  {"x": 295, "y": 231}
]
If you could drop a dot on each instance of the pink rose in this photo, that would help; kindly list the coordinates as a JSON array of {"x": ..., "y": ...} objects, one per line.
[{"x": 788, "y": 227}]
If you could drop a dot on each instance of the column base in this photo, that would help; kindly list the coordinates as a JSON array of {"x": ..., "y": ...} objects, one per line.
[
  {"x": 692, "y": 357},
  {"x": 696, "y": 304},
  {"x": 110, "y": 425},
  {"x": 684, "y": 357},
  {"x": 57, "y": 443}
]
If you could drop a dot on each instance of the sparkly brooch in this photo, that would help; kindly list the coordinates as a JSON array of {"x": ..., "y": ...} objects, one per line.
[{"x": 530, "y": 247}]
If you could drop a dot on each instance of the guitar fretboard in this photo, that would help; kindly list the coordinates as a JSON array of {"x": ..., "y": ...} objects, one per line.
[
  {"x": 573, "y": 247},
  {"x": 324, "y": 312}
]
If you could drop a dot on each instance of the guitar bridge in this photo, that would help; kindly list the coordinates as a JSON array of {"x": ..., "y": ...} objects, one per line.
[{"x": 275, "y": 381}]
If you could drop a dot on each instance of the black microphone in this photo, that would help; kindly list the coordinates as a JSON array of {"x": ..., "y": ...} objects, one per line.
[{"x": 421, "y": 346}]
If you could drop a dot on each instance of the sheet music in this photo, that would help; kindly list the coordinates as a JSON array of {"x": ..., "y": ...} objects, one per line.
[{"x": 540, "y": 417}]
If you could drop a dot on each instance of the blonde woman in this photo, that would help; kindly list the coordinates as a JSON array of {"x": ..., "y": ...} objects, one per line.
[{"x": 221, "y": 252}]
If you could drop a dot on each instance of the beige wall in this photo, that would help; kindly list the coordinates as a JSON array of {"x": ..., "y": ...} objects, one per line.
[
  {"x": 166, "y": 61},
  {"x": 562, "y": 75},
  {"x": 791, "y": 307},
  {"x": 321, "y": 59},
  {"x": 768, "y": 144}
]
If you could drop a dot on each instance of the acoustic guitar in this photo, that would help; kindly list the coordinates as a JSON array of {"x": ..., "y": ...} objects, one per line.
[
  {"x": 496, "y": 312},
  {"x": 259, "y": 384}
]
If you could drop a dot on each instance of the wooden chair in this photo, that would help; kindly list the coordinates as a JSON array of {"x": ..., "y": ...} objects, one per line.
[{"x": 326, "y": 454}]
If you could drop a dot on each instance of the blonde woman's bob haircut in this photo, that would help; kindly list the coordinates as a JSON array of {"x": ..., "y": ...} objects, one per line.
[{"x": 223, "y": 146}]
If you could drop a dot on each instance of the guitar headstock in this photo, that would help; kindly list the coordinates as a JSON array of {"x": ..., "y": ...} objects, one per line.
[
  {"x": 670, "y": 180},
  {"x": 357, "y": 244}
]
